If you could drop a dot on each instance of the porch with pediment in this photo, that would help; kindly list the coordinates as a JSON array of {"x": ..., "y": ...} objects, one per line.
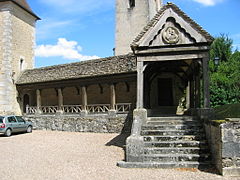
[
  {"x": 172, "y": 55},
  {"x": 172, "y": 63}
]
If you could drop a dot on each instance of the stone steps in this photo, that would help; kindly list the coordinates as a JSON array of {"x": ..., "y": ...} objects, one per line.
[
  {"x": 175, "y": 157},
  {"x": 179, "y": 150},
  {"x": 172, "y": 142},
  {"x": 174, "y": 122},
  {"x": 172, "y": 118},
  {"x": 174, "y": 138},
  {"x": 164, "y": 165},
  {"x": 171, "y": 132},
  {"x": 172, "y": 127},
  {"x": 176, "y": 144}
]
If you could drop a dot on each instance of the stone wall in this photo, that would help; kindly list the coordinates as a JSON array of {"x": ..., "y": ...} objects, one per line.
[
  {"x": 224, "y": 140},
  {"x": 120, "y": 123},
  {"x": 131, "y": 20},
  {"x": 17, "y": 33}
]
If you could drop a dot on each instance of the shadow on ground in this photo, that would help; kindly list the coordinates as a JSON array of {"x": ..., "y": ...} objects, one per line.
[{"x": 119, "y": 141}]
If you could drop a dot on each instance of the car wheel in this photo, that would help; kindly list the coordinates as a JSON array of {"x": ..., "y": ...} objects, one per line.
[
  {"x": 8, "y": 132},
  {"x": 29, "y": 129}
]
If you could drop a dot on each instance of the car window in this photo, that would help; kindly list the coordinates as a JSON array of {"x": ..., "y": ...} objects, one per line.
[
  {"x": 11, "y": 119},
  {"x": 20, "y": 119},
  {"x": 1, "y": 119}
]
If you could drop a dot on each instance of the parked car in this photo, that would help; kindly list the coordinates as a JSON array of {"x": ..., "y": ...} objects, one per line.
[{"x": 13, "y": 124}]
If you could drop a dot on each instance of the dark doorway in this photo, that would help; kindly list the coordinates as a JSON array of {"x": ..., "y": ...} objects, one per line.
[
  {"x": 165, "y": 92},
  {"x": 25, "y": 102}
]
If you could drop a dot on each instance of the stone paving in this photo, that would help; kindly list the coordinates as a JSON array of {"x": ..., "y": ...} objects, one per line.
[{"x": 86, "y": 156}]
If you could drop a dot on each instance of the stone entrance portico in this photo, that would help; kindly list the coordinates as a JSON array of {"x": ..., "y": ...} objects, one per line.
[{"x": 172, "y": 52}]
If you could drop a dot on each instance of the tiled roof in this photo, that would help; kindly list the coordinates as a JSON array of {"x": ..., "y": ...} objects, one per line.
[
  {"x": 176, "y": 9},
  {"x": 90, "y": 68}
]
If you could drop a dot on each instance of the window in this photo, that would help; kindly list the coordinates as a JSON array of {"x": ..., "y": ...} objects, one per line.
[
  {"x": 21, "y": 64},
  {"x": 20, "y": 119},
  {"x": 12, "y": 119},
  {"x": 131, "y": 3},
  {"x": 1, "y": 119}
]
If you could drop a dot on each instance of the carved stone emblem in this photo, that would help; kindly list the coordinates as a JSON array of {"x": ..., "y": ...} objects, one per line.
[{"x": 171, "y": 35}]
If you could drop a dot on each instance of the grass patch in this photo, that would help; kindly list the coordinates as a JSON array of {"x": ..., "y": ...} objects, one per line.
[{"x": 228, "y": 111}]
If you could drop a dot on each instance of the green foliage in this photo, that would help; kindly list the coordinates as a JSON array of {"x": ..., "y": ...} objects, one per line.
[
  {"x": 225, "y": 79},
  {"x": 221, "y": 48}
]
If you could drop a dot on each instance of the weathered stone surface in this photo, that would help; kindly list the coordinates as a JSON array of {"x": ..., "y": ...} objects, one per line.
[
  {"x": 225, "y": 147},
  {"x": 96, "y": 124}
]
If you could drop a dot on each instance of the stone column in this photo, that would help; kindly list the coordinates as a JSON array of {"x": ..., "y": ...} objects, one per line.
[
  {"x": 84, "y": 100},
  {"x": 112, "y": 100},
  {"x": 60, "y": 100},
  {"x": 206, "y": 93},
  {"x": 192, "y": 94},
  {"x": 140, "y": 85},
  {"x": 113, "y": 97},
  {"x": 188, "y": 96},
  {"x": 39, "y": 101},
  {"x": 197, "y": 90}
]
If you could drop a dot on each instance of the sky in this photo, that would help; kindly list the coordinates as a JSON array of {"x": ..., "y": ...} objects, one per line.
[{"x": 78, "y": 30}]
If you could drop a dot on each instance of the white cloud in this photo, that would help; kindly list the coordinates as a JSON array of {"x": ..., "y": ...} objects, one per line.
[
  {"x": 209, "y": 2},
  {"x": 64, "y": 48}
]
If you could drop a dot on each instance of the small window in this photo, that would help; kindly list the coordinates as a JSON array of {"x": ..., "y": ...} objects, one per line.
[
  {"x": 131, "y": 3},
  {"x": 21, "y": 64}
]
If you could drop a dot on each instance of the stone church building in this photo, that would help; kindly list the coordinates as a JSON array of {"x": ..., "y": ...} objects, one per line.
[{"x": 155, "y": 87}]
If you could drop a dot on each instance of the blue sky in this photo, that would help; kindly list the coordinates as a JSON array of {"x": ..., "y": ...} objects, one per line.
[{"x": 75, "y": 30}]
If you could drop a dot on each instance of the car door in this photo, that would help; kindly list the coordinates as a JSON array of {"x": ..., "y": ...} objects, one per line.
[
  {"x": 13, "y": 124},
  {"x": 21, "y": 123}
]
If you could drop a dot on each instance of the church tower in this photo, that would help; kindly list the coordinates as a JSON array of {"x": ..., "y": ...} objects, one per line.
[
  {"x": 17, "y": 41},
  {"x": 131, "y": 17}
]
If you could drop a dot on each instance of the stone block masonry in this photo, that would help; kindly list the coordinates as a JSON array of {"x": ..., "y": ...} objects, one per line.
[
  {"x": 120, "y": 123},
  {"x": 225, "y": 146}
]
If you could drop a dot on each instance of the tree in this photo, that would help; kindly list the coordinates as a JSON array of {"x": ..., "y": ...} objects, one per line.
[
  {"x": 225, "y": 79},
  {"x": 221, "y": 48}
]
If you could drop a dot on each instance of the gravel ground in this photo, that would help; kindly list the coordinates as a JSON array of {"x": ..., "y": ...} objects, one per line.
[{"x": 86, "y": 156}]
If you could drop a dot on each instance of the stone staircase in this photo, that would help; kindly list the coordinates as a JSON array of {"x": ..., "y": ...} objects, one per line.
[{"x": 173, "y": 142}]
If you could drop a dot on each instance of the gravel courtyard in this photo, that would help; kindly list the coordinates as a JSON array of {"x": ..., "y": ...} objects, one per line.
[{"x": 70, "y": 156}]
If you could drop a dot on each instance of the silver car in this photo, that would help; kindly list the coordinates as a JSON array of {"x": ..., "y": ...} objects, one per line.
[{"x": 13, "y": 124}]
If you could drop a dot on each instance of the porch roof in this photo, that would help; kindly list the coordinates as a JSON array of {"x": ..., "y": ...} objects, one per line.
[
  {"x": 159, "y": 15},
  {"x": 90, "y": 68}
]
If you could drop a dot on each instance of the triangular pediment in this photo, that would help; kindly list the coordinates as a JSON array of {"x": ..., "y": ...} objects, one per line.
[{"x": 171, "y": 26}]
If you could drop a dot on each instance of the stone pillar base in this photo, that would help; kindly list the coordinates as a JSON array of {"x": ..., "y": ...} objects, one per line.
[
  {"x": 112, "y": 113},
  {"x": 59, "y": 112},
  {"x": 84, "y": 113},
  {"x": 134, "y": 149},
  {"x": 135, "y": 143}
]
